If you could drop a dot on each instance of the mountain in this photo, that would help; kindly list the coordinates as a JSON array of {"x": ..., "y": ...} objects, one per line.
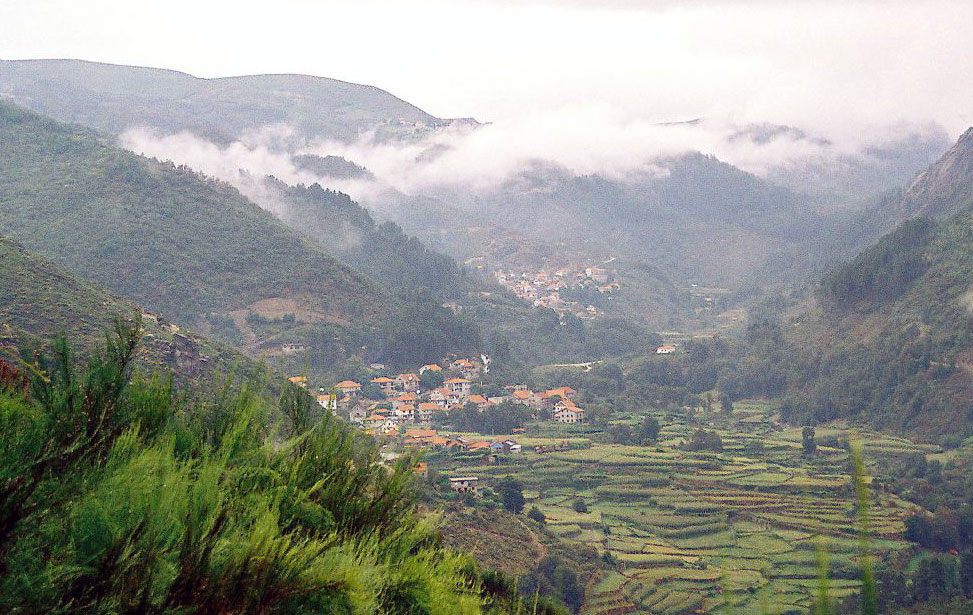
[
  {"x": 348, "y": 231},
  {"x": 696, "y": 218},
  {"x": 161, "y": 235},
  {"x": 113, "y": 98},
  {"x": 40, "y": 301},
  {"x": 947, "y": 185},
  {"x": 891, "y": 338}
]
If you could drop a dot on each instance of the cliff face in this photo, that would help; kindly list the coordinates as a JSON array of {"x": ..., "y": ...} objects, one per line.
[{"x": 947, "y": 185}]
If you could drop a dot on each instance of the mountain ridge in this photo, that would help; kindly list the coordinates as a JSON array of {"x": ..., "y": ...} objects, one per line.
[{"x": 117, "y": 97}]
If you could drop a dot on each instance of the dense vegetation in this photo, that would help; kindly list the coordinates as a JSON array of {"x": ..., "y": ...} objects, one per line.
[
  {"x": 382, "y": 251},
  {"x": 892, "y": 343},
  {"x": 883, "y": 272},
  {"x": 196, "y": 250},
  {"x": 160, "y": 235},
  {"x": 118, "y": 497}
]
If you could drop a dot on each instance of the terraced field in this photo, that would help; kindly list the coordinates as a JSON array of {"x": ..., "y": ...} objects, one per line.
[{"x": 726, "y": 532}]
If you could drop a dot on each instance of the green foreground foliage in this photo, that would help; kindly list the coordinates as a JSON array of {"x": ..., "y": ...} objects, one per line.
[{"x": 118, "y": 497}]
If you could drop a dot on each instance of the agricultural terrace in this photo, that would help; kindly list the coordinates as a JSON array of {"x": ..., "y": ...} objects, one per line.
[{"x": 728, "y": 532}]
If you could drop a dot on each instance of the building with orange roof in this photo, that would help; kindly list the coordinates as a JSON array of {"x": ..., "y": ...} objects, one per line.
[
  {"x": 348, "y": 387},
  {"x": 478, "y": 400},
  {"x": 459, "y": 386},
  {"x": 406, "y": 399},
  {"x": 386, "y": 384},
  {"x": 569, "y": 415},
  {"x": 300, "y": 381},
  {"x": 425, "y": 410},
  {"x": 328, "y": 402},
  {"x": 407, "y": 382},
  {"x": 429, "y": 367},
  {"x": 420, "y": 433},
  {"x": 479, "y": 446}
]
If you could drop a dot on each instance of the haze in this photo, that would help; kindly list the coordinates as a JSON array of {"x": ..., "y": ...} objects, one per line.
[{"x": 837, "y": 69}]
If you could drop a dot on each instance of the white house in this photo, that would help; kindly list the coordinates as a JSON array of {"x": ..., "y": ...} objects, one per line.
[{"x": 568, "y": 415}]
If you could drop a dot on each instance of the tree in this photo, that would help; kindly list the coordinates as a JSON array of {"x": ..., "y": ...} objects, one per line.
[
  {"x": 512, "y": 494},
  {"x": 966, "y": 574},
  {"x": 579, "y": 506},
  {"x": 620, "y": 433},
  {"x": 536, "y": 514},
  {"x": 373, "y": 392},
  {"x": 703, "y": 440},
  {"x": 117, "y": 496},
  {"x": 649, "y": 431},
  {"x": 808, "y": 443},
  {"x": 726, "y": 404}
]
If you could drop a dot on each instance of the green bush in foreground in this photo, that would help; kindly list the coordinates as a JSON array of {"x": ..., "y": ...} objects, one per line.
[{"x": 115, "y": 498}]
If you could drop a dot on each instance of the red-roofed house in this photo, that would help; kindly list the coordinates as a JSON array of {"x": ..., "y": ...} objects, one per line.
[
  {"x": 348, "y": 387},
  {"x": 459, "y": 386},
  {"x": 386, "y": 384},
  {"x": 407, "y": 382}
]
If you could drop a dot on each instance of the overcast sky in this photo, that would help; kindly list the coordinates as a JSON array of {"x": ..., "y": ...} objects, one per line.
[{"x": 831, "y": 66}]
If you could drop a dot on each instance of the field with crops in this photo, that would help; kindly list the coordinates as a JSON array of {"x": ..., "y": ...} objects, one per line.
[{"x": 747, "y": 529}]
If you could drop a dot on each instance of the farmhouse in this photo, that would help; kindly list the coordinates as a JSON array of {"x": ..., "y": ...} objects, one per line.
[
  {"x": 426, "y": 410},
  {"x": 406, "y": 399},
  {"x": 665, "y": 349},
  {"x": 438, "y": 397},
  {"x": 348, "y": 387},
  {"x": 406, "y": 413},
  {"x": 464, "y": 484},
  {"x": 430, "y": 367},
  {"x": 300, "y": 381},
  {"x": 568, "y": 414},
  {"x": 525, "y": 398},
  {"x": 479, "y": 401}
]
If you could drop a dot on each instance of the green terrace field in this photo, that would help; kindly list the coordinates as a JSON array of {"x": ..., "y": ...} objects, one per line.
[{"x": 708, "y": 532}]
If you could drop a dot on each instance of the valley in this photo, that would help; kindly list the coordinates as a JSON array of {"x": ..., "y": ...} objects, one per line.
[{"x": 283, "y": 344}]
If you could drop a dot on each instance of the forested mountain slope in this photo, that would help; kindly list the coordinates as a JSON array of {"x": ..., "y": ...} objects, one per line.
[
  {"x": 40, "y": 302},
  {"x": 700, "y": 218},
  {"x": 114, "y": 98},
  {"x": 382, "y": 251},
  {"x": 891, "y": 340},
  {"x": 160, "y": 235}
]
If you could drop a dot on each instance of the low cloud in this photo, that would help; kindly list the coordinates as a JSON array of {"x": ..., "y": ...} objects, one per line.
[{"x": 582, "y": 140}]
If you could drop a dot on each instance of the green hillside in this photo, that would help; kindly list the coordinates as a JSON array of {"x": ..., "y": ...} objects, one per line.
[
  {"x": 160, "y": 235},
  {"x": 382, "y": 251},
  {"x": 114, "y": 98},
  {"x": 891, "y": 338},
  {"x": 40, "y": 302}
]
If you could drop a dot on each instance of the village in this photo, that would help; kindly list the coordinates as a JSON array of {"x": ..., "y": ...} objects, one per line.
[
  {"x": 563, "y": 290},
  {"x": 400, "y": 410}
]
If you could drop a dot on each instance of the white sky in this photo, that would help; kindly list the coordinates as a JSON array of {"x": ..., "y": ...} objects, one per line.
[{"x": 831, "y": 66}]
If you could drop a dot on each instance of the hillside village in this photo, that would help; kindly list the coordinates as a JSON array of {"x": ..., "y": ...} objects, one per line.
[
  {"x": 406, "y": 405},
  {"x": 562, "y": 290}
]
